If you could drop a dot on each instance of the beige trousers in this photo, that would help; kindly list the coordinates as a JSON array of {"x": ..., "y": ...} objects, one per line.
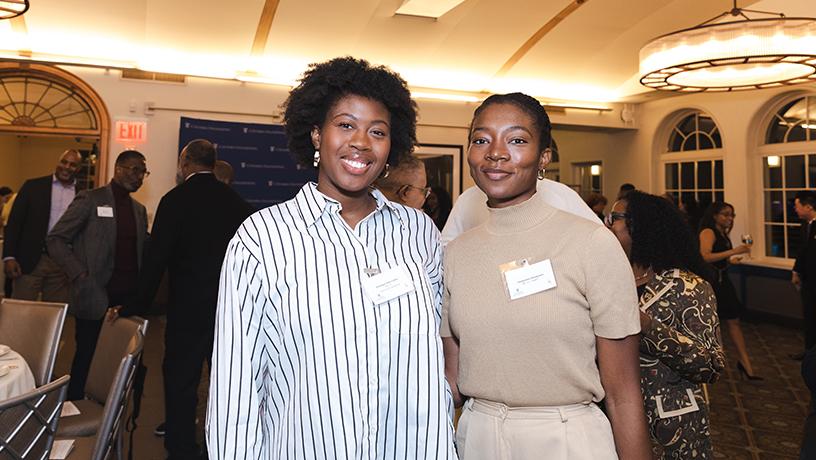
[
  {"x": 493, "y": 431},
  {"x": 47, "y": 279}
]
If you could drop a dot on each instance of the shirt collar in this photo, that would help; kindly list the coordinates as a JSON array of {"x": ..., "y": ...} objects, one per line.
[
  {"x": 197, "y": 172},
  {"x": 54, "y": 180},
  {"x": 314, "y": 204}
]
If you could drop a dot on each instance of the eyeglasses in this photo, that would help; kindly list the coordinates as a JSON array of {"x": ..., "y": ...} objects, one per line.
[
  {"x": 425, "y": 190},
  {"x": 136, "y": 170},
  {"x": 613, "y": 216}
]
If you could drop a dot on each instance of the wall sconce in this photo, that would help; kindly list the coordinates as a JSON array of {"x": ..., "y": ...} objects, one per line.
[{"x": 595, "y": 170}]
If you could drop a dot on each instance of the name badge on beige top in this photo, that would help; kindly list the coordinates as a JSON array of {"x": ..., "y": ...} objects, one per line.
[
  {"x": 387, "y": 285},
  {"x": 522, "y": 278},
  {"x": 104, "y": 211}
]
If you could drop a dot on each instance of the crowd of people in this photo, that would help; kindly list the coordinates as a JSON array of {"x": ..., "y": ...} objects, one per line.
[{"x": 351, "y": 320}]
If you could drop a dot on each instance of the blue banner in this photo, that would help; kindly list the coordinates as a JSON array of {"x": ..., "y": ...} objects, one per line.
[{"x": 265, "y": 173}]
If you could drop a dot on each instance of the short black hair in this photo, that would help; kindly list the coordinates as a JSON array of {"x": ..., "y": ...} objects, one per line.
[
  {"x": 708, "y": 221},
  {"x": 661, "y": 239},
  {"x": 527, "y": 104},
  {"x": 128, "y": 155},
  {"x": 807, "y": 198},
  {"x": 5, "y": 191},
  {"x": 201, "y": 152},
  {"x": 325, "y": 83}
]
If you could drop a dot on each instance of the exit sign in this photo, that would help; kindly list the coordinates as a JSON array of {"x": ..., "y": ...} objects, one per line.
[{"x": 131, "y": 131}]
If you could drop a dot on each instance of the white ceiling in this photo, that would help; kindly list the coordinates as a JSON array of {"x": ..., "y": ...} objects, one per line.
[{"x": 591, "y": 56}]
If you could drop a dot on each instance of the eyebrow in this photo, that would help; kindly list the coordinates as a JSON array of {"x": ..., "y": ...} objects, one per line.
[
  {"x": 346, "y": 114},
  {"x": 511, "y": 128}
]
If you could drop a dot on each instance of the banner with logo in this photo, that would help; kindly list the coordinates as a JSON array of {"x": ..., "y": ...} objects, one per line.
[{"x": 265, "y": 173}]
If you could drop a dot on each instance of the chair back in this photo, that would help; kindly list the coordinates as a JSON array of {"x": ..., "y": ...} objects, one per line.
[
  {"x": 28, "y": 422},
  {"x": 117, "y": 400},
  {"x": 113, "y": 344},
  {"x": 18, "y": 321}
]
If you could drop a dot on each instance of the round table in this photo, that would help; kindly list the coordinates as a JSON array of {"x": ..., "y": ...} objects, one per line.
[{"x": 18, "y": 380}]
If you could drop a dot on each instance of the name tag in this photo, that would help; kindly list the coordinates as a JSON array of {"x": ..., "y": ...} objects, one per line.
[
  {"x": 387, "y": 285},
  {"x": 528, "y": 279},
  {"x": 104, "y": 211}
]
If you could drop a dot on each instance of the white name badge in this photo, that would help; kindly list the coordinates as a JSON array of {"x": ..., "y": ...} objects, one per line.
[
  {"x": 529, "y": 279},
  {"x": 104, "y": 211},
  {"x": 387, "y": 285}
]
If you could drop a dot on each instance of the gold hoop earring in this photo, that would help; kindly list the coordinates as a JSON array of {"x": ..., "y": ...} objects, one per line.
[
  {"x": 386, "y": 172},
  {"x": 541, "y": 174},
  {"x": 316, "y": 160}
]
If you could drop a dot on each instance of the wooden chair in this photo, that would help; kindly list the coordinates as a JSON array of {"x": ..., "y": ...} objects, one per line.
[
  {"x": 18, "y": 321},
  {"x": 28, "y": 423}
]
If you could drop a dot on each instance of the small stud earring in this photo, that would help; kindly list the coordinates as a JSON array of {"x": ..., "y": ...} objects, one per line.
[
  {"x": 316, "y": 161},
  {"x": 386, "y": 172}
]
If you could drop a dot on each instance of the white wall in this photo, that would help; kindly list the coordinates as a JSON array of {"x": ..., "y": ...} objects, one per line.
[{"x": 741, "y": 119}]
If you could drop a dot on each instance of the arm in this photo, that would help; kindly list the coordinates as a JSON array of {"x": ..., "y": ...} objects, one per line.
[
  {"x": 620, "y": 377},
  {"x": 451, "y": 349},
  {"x": 237, "y": 426},
  {"x": 61, "y": 237},
  {"x": 13, "y": 229},
  {"x": 707, "y": 239},
  {"x": 693, "y": 350}
]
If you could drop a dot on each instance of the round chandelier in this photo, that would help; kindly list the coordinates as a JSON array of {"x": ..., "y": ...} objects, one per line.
[
  {"x": 12, "y": 8},
  {"x": 732, "y": 55}
]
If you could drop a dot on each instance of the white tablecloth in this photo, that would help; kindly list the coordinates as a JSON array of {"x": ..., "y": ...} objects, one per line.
[{"x": 18, "y": 380}]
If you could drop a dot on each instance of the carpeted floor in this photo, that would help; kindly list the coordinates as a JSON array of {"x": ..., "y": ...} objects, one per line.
[{"x": 756, "y": 420}]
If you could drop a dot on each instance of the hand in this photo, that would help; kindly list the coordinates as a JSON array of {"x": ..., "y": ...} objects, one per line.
[
  {"x": 742, "y": 249},
  {"x": 112, "y": 314},
  {"x": 12, "y": 269},
  {"x": 796, "y": 280}
]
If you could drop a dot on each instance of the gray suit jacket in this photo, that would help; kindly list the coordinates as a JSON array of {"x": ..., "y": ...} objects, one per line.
[{"x": 85, "y": 241}]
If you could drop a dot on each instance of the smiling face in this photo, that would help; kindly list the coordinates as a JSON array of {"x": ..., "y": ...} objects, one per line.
[
  {"x": 725, "y": 218},
  {"x": 504, "y": 154},
  {"x": 68, "y": 166},
  {"x": 354, "y": 143}
]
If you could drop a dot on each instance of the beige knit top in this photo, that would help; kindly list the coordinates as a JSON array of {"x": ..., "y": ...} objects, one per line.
[{"x": 538, "y": 350}]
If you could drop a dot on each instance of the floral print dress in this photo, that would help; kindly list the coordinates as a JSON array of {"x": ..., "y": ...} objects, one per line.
[{"x": 679, "y": 350}]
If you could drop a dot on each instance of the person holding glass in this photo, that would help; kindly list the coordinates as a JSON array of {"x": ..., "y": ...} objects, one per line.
[
  {"x": 326, "y": 336},
  {"x": 717, "y": 250},
  {"x": 680, "y": 345},
  {"x": 540, "y": 318}
]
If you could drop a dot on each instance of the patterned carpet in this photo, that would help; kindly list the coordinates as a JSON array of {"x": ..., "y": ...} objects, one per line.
[{"x": 761, "y": 420}]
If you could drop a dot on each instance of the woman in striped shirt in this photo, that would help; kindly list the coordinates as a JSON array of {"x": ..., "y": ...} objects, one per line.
[{"x": 326, "y": 341}]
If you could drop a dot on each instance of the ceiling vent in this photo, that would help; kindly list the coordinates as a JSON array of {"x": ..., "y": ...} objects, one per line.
[{"x": 136, "y": 74}]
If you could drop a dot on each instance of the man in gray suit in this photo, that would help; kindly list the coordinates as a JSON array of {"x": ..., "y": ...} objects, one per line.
[{"x": 98, "y": 242}]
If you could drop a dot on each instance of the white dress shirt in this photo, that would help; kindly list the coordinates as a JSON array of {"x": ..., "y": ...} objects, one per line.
[
  {"x": 471, "y": 211},
  {"x": 304, "y": 365}
]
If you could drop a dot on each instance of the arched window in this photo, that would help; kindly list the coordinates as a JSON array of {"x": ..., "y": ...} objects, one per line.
[
  {"x": 36, "y": 102},
  {"x": 788, "y": 166},
  {"x": 794, "y": 122},
  {"x": 696, "y": 131},
  {"x": 692, "y": 161}
]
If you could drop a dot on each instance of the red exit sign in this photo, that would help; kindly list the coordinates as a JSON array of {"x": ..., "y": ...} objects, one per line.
[{"x": 131, "y": 131}]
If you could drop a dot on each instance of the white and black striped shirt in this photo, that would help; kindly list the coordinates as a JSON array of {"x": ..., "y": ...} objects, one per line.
[{"x": 304, "y": 365}]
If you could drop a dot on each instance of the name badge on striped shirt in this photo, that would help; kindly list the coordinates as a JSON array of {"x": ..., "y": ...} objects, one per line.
[
  {"x": 387, "y": 285},
  {"x": 523, "y": 278}
]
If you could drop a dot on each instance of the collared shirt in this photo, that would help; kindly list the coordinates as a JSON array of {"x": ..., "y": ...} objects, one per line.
[
  {"x": 61, "y": 196},
  {"x": 304, "y": 364}
]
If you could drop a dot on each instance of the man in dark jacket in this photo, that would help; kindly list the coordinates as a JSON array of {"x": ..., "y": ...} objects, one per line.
[
  {"x": 804, "y": 270},
  {"x": 37, "y": 208},
  {"x": 194, "y": 223}
]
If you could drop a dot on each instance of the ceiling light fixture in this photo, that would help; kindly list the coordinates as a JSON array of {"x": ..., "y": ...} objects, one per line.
[
  {"x": 13, "y": 8},
  {"x": 427, "y": 8},
  {"x": 732, "y": 55}
]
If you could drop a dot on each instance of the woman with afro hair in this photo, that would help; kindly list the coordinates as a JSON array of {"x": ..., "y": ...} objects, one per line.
[
  {"x": 326, "y": 342},
  {"x": 680, "y": 344}
]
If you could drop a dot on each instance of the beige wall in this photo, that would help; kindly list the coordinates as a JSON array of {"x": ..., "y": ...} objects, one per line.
[
  {"x": 9, "y": 162},
  {"x": 26, "y": 157}
]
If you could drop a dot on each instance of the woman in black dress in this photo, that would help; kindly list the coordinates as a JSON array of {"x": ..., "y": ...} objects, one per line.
[{"x": 717, "y": 250}]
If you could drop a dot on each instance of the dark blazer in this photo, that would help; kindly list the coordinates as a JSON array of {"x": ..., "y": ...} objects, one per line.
[
  {"x": 28, "y": 223},
  {"x": 193, "y": 226},
  {"x": 85, "y": 241},
  {"x": 805, "y": 264}
]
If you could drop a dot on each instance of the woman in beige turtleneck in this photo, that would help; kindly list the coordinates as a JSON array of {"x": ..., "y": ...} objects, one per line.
[{"x": 540, "y": 319}]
